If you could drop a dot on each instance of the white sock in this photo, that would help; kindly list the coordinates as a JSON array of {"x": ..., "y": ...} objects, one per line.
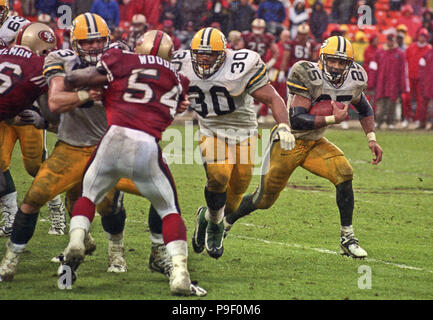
[
  {"x": 346, "y": 230},
  {"x": 80, "y": 222},
  {"x": 177, "y": 247}
]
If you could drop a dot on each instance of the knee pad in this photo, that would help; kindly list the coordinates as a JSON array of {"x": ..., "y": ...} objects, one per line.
[{"x": 215, "y": 201}]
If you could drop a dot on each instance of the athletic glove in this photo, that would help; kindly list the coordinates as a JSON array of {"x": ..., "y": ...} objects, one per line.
[
  {"x": 31, "y": 117},
  {"x": 287, "y": 139}
]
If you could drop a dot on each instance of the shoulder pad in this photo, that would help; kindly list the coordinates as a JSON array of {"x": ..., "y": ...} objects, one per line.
[
  {"x": 298, "y": 76},
  {"x": 180, "y": 58},
  {"x": 358, "y": 74},
  {"x": 55, "y": 61},
  {"x": 241, "y": 62}
]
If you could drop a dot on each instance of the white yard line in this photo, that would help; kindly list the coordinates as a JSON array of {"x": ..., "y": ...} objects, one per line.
[{"x": 320, "y": 250}]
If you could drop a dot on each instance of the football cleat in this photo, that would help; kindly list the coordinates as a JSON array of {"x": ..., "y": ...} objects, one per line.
[
  {"x": 9, "y": 265},
  {"x": 227, "y": 227},
  {"x": 62, "y": 271},
  {"x": 89, "y": 244},
  {"x": 199, "y": 235},
  {"x": 58, "y": 219},
  {"x": 180, "y": 283},
  {"x": 214, "y": 239},
  {"x": 75, "y": 251},
  {"x": 116, "y": 256},
  {"x": 9, "y": 208},
  {"x": 349, "y": 247},
  {"x": 197, "y": 291},
  {"x": 159, "y": 260}
]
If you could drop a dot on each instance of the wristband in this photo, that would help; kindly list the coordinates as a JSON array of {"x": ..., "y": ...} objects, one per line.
[
  {"x": 330, "y": 120},
  {"x": 371, "y": 136},
  {"x": 83, "y": 95}
]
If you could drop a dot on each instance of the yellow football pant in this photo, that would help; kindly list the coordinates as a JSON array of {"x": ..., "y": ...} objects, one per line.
[
  {"x": 63, "y": 172},
  {"x": 229, "y": 167},
  {"x": 320, "y": 157},
  {"x": 31, "y": 143}
]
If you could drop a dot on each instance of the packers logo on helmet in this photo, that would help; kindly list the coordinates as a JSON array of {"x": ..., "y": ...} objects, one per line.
[
  {"x": 339, "y": 49},
  {"x": 4, "y": 10},
  {"x": 89, "y": 28},
  {"x": 208, "y": 51},
  {"x": 38, "y": 37},
  {"x": 156, "y": 43}
]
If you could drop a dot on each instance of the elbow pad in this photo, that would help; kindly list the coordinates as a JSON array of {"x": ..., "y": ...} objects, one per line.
[
  {"x": 300, "y": 119},
  {"x": 363, "y": 107}
]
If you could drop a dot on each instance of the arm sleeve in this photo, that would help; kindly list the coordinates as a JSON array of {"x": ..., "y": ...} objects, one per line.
[{"x": 108, "y": 64}]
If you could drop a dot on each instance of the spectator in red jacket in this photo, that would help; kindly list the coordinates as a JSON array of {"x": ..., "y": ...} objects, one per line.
[
  {"x": 413, "y": 55},
  {"x": 370, "y": 66},
  {"x": 411, "y": 21},
  {"x": 390, "y": 80},
  {"x": 426, "y": 83}
]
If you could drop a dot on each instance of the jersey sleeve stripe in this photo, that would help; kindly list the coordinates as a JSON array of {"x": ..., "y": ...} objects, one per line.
[
  {"x": 51, "y": 67},
  {"x": 295, "y": 86},
  {"x": 255, "y": 78},
  {"x": 110, "y": 77}
]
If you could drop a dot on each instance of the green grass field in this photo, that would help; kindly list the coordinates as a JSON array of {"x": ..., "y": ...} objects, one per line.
[{"x": 287, "y": 252}]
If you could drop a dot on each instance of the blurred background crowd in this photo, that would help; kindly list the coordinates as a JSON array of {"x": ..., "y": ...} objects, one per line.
[{"x": 395, "y": 49}]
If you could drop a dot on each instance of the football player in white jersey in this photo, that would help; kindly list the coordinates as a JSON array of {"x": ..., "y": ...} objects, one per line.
[
  {"x": 32, "y": 142},
  {"x": 223, "y": 85},
  {"x": 335, "y": 77}
]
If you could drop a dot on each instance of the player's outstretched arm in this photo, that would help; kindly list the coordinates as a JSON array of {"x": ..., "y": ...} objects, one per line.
[
  {"x": 269, "y": 96},
  {"x": 61, "y": 100},
  {"x": 87, "y": 77},
  {"x": 366, "y": 118}
]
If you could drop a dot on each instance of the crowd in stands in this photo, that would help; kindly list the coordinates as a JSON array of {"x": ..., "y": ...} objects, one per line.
[{"x": 395, "y": 44}]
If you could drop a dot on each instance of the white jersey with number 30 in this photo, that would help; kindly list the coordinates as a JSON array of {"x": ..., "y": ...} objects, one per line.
[
  {"x": 10, "y": 28},
  {"x": 223, "y": 101}
]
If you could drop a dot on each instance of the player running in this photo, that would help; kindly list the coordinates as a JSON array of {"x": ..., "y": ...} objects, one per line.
[{"x": 335, "y": 77}]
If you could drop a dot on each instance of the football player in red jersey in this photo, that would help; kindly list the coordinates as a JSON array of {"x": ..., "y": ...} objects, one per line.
[
  {"x": 22, "y": 84},
  {"x": 301, "y": 48},
  {"x": 32, "y": 142},
  {"x": 260, "y": 41},
  {"x": 144, "y": 92}
]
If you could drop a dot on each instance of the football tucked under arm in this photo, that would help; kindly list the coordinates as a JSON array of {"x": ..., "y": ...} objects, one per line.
[
  {"x": 304, "y": 116},
  {"x": 324, "y": 108}
]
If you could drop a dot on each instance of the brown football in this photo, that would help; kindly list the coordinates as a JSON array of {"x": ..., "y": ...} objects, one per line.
[{"x": 324, "y": 108}]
